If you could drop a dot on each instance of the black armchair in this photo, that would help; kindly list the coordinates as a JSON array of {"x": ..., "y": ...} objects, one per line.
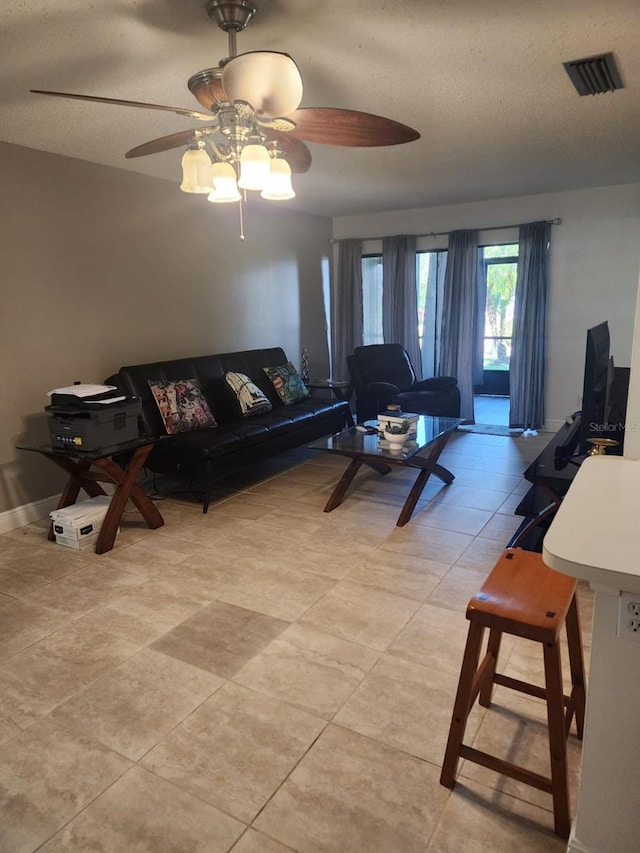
[{"x": 382, "y": 375}]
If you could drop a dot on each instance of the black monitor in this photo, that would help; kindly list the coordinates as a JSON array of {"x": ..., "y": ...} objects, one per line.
[{"x": 596, "y": 387}]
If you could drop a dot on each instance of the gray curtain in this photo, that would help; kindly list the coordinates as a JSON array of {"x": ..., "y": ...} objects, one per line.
[
  {"x": 526, "y": 370},
  {"x": 459, "y": 316},
  {"x": 348, "y": 317},
  {"x": 399, "y": 296}
]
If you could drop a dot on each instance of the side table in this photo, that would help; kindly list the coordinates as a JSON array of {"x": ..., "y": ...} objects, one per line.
[
  {"x": 341, "y": 389},
  {"x": 109, "y": 468}
]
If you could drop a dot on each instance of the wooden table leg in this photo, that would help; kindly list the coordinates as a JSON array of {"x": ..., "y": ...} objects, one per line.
[
  {"x": 126, "y": 488},
  {"x": 77, "y": 470},
  {"x": 428, "y": 466},
  {"x": 345, "y": 481}
]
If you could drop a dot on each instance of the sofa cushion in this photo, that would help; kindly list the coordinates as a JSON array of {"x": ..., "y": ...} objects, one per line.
[
  {"x": 250, "y": 398},
  {"x": 182, "y": 405},
  {"x": 287, "y": 383}
]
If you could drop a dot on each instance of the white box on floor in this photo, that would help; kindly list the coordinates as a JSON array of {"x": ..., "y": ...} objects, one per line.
[{"x": 80, "y": 522}]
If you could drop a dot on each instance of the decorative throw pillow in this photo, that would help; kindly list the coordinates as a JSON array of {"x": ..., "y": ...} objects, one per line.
[
  {"x": 288, "y": 384},
  {"x": 182, "y": 405},
  {"x": 250, "y": 398}
]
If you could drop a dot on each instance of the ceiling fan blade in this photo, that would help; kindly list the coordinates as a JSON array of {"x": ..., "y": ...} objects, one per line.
[
  {"x": 163, "y": 143},
  {"x": 179, "y": 110},
  {"x": 294, "y": 151},
  {"x": 268, "y": 80},
  {"x": 349, "y": 128}
]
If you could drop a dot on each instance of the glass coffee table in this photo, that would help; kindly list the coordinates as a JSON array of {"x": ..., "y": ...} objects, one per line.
[{"x": 420, "y": 451}]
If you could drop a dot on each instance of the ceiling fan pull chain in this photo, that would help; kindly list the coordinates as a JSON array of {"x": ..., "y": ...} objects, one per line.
[{"x": 241, "y": 220}]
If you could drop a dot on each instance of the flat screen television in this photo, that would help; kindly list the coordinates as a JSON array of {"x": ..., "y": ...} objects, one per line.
[{"x": 596, "y": 386}]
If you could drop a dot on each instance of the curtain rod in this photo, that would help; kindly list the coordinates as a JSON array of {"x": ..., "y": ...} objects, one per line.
[{"x": 555, "y": 221}]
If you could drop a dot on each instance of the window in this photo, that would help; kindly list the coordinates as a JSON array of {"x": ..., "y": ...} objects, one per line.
[
  {"x": 372, "y": 299},
  {"x": 501, "y": 272},
  {"x": 430, "y": 268}
]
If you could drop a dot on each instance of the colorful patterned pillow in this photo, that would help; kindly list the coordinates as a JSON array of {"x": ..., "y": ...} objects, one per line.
[
  {"x": 250, "y": 398},
  {"x": 288, "y": 384},
  {"x": 182, "y": 405}
]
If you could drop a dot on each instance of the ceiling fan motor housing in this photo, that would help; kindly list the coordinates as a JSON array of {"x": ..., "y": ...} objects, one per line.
[{"x": 231, "y": 15}]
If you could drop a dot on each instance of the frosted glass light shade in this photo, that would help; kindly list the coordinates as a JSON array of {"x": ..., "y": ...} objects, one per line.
[
  {"x": 268, "y": 80},
  {"x": 225, "y": 188},
  {"x": 196, "y": 171},
  {"x": 278, "y": 187},
  {"x": 255, "y": 167}
]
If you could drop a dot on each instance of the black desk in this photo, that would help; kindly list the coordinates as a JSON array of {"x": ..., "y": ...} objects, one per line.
[{"x": 121, "y": 465}]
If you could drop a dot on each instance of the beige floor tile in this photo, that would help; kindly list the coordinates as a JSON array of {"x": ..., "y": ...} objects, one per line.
[
  {"x": 256, "y": 842},
  {"x": 142, "y": 615},
  {"x": 457, "y": 587},
  {"x": 85, "y": 589},
  {"x": 363, "y": 615},
  {"x": 459, "y": 519},
  {"x": 472, "y": 497},
  {"x": 235, "y": 750},
  {"x": 399, "y": 574},
  {"x": 36, "y": 680},
  {"x": 510, "y": 504},
  {"x": 489, "y": 480},
  {"x": 151, "y": 556},
  {"x": 481, "y": 554},
  {"x": 21, "y": 573},
  {"x": 442, "y": 546},
  {"x": 46, "y": 777},
  {"x": 130, "y": 709},
  {"x": 331, "y": 554},
  {"x": 435, "y": 638},
  {"x": 309, "y": 669},
  {"x": 145, "y": 814},
  {"x": 221, "y": 638},
  {"x": 407, "y": 706},
  {"x": 204, "y": 532},
  {"x": 284, "y": 592},
  {"x": 31, "y": 536},
  {"x": 478, "y": 820},
  {"x": 500, "y": 528},
  {"x": 350, "y": 794},
  {"x": 23, "y": 624}
]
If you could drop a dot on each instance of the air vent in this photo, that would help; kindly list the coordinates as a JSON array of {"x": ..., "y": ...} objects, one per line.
[{"x": 594, "y": 75}]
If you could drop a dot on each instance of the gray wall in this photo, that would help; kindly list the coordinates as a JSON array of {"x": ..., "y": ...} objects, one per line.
[{"x": 101, "y": 267}]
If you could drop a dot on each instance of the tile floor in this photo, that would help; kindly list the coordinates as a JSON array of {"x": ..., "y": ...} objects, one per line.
[{"x": 269, "y": 678}]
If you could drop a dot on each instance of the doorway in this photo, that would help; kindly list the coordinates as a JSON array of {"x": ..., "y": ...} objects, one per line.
[{"x": 497, "y": 279}]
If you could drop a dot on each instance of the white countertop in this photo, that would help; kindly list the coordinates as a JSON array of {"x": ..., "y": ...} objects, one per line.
[{"x": 595, "y": 535}]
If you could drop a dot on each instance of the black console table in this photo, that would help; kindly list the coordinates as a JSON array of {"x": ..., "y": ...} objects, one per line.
[
  {"x": 550, "y": 475},
  {"x": 552, "y": 472}
]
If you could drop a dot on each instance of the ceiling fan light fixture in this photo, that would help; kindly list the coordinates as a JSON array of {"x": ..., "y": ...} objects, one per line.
[
  {"x": 196, "y": 171},
  {"x": 255, "y": 167},
  {"x": 268, "y": 80},
  {"x": 278, "y": 187},
  {"x": 225, "y": 187}
]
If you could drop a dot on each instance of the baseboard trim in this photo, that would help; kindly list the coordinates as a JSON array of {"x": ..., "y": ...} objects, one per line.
[{"x": 27, "y": 513}]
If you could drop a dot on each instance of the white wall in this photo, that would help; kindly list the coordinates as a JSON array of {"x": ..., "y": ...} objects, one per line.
[{"x": 595, "y": 257}]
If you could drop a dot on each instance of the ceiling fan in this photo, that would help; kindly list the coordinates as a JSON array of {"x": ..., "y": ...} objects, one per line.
[{"x": 256, "y": 131}]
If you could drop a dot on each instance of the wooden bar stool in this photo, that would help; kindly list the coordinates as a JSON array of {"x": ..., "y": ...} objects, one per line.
[{"x": 522, "y": 596}]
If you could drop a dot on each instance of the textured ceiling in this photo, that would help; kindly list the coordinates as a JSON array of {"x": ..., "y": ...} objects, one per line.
[{"x": 481, "y": 80}]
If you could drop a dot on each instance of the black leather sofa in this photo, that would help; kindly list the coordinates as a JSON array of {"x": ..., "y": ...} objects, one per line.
[
  {"x": 382, "y": 374},
  {"x": 205, "y": 455}
]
